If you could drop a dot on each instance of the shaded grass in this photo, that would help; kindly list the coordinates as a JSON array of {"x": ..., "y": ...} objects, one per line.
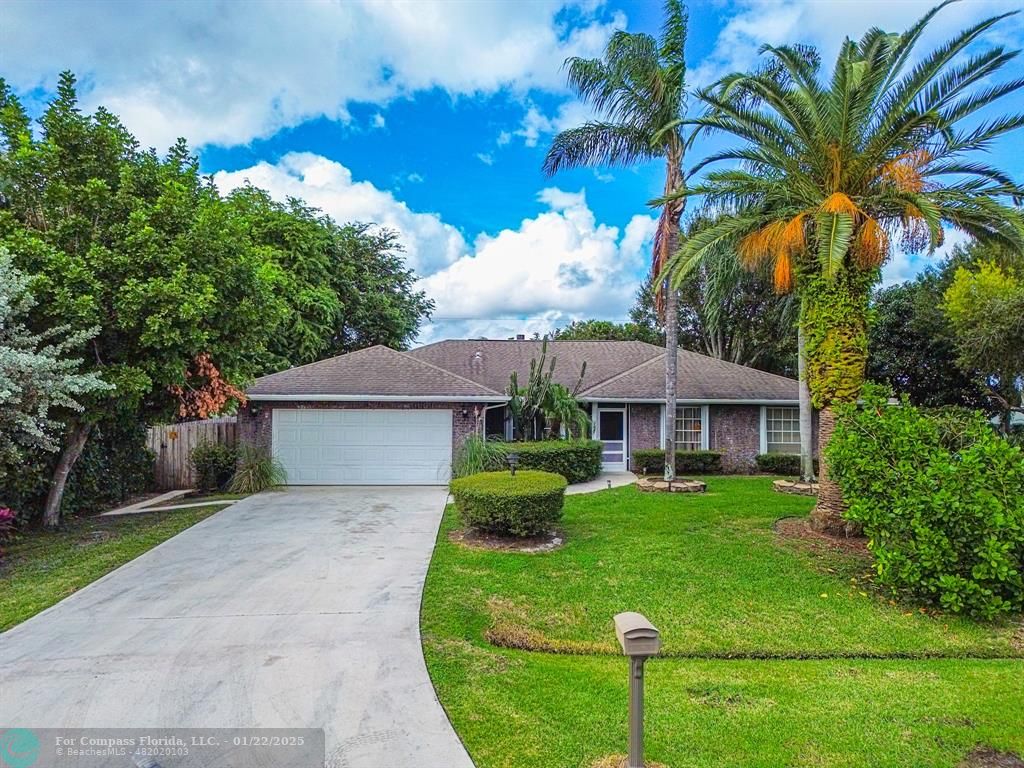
[
  {"x": 42, "y": 568},
  {"x": 716, "y": 579}
]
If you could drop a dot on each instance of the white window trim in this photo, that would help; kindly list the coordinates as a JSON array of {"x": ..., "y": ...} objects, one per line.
[
  {"x": 764, "y": 429},
  {"x": 705, "y": 424}
]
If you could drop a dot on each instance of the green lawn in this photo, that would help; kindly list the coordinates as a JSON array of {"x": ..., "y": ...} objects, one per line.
[
  {"x": 777, "y": 655},
  {"x": 41, "y": 569}
]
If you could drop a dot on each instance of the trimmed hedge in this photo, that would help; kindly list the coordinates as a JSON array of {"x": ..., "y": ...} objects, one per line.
[
  {"x": 524, "y": 504},
  {"x": 780, "y": 464},
  {"x": 576, "y": 460},
  {"x": 214, "y": 464},
  {"x": 651, "y": 461}
]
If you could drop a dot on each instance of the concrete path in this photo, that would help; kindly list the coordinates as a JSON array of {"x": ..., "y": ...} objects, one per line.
[
  {"x": 602, "y": 482},
  {"x": 296, "y": 608}
]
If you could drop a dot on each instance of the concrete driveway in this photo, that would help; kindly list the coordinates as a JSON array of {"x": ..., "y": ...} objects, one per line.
[{"x": 296, "y": 608}]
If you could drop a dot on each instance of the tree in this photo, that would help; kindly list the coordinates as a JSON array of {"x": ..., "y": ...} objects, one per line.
[
  {"x": 346, "y": 286},
  {"x": 37, "y": 380},
  {"x": 638, "y": 89},
  {"x": 830, "y": 172},
  {"x": 140, "y": 247},
  {"x": 911, "y": 344},
  {"x": 986, "y": 310},
  {"x": 603, "y": 330}
]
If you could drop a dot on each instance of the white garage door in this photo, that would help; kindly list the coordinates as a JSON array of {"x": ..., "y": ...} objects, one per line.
[{"x": 325, "y": 446}]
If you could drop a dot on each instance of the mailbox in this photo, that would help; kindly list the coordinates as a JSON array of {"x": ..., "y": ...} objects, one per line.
[{"x": 637, "y": 636}]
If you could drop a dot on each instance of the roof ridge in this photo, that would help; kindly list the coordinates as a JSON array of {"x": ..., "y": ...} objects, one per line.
[
  {"x": 620, "y": 374},
  {"x": 739, "y": 365},
  {"x": 323, "y": 360},
  {"x": 449, "y": 373}
]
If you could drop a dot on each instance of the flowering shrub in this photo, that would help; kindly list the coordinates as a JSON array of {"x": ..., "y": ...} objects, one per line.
[{"x": 941, "y": 502}]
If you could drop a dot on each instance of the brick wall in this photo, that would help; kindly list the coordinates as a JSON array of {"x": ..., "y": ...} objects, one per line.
[
  {"x": 644, "y": 426},
  {"x": 736, "y": 432},
  {"x": 256, "y": 430}
]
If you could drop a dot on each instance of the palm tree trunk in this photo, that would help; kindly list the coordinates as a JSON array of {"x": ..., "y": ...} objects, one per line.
[
  {"x": 827, "y": 515},
  {"x": 806, "y": 412},
  {"x": 671, "y": 358},
  {"x": 77, "y": 434}
]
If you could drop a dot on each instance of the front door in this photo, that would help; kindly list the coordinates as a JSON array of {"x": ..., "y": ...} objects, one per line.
[{"x": 611, "y": 431}]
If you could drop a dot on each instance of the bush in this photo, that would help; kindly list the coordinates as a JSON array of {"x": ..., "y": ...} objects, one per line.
[
  {"x": 524, "y": 504},
  {"x": 651, "y": 461},
  {"x": 214, "y": 464},
  {"x": 780, "y": 464},
  {"x": 114, "y": 466},
  {"x": 576, "y": 460},
  {"x": 477, "y": 455},
  {"x": 945, "y": 524},
  {"x": 257, "y": 470}
]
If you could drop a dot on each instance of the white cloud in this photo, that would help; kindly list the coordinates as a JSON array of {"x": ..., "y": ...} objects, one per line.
[
  {"x": 906, "y": 266},
  {"x": 825, "y": 24},
  {"x": 535, "y": 124},
  {"x": 553, "y": 268},
  {"x": 377, "y": 121},
  {"x": 232, "y": 72},
  {"x": 430, "y": 243},
  {"x": 485, "y": 157}
]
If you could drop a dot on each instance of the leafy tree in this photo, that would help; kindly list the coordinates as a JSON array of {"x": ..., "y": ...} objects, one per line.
[
  {"x": 986, "y": 310},
  {"x": 829, "y": 172},
  {"x": 639, "y": 91},
  {"x": 911, "y": 344},
  {"x": 346, "y": 286},
  {"x": 562, "y": 410},
  {"x": 604, "y": 330},
  {"x": 36, "y": 378},
  {"x": 138, "y": 246}
]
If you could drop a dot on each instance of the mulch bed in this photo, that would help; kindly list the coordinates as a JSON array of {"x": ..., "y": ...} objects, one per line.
[
  {"x": 531, "y": 545},
  {"x": 799, "y": 530},
  {"x": 986, "y": 757}
]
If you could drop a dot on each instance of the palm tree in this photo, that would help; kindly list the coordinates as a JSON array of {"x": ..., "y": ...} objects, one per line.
[
  {"x": 832, "y": 173},
  {"x": 638, "y": 90}
]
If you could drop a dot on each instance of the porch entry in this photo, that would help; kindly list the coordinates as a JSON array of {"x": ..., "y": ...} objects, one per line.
[{"x": 611, "y": 431}]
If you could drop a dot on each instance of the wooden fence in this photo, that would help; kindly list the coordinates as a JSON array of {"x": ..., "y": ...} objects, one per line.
[{"x": 173, "y": 444}]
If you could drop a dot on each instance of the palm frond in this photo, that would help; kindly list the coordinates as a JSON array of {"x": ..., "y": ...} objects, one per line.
[
  {"x": 834, "y": 231},
  {"x": 597, "y": 144}
]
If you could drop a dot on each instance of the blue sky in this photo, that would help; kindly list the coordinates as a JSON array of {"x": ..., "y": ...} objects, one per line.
[{"x": 430, "y": 117}]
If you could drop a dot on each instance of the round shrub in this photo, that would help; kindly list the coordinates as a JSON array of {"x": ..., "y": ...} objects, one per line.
[
  {"x": 944, "y": 517},
  {"x": 214, "y": 464},
  {"x": 576, "y": 460},
  {"x": 524, "y": 504}
]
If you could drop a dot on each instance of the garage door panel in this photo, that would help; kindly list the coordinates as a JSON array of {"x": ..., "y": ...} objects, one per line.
[{"x": 327, "y": 446}]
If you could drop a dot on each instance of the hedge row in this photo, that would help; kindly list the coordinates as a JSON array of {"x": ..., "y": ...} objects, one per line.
[
  {"x": 576, "y": 460},
  {"x": 651, "y": 461},
  {"x": 525, "y": 504},
  {"x": 780, "y": 464}
]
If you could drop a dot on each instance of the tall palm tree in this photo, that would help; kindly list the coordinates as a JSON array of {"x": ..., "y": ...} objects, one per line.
[
  {"x": 638, "y": 90},
  {"x": 830, "y": 174}
]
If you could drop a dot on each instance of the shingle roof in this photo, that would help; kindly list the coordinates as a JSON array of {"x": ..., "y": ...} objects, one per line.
[
  {"x": 698, "y": 378},
  {"x": 489, "y": 362},
  {"x": 375, "y": 371},
  {"x": 480, "y": 369}
]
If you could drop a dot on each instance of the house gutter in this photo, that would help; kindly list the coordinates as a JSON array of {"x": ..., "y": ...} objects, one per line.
[
  {"x": 380, "y": 398},
  {"x": 687, "y": 401}
]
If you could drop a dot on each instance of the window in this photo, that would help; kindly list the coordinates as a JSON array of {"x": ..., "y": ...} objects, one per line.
[
  {"x": 782, "y": 430},
  {"x": 689, "y": 428}
]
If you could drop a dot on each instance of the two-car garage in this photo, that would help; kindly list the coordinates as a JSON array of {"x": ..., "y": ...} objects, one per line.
[{"x": 350, "y": 446}]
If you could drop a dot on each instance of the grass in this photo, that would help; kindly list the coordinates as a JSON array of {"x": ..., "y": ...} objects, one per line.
[
  {"x": 776, "y": 655},
  {"x": 41, "y": 568}
]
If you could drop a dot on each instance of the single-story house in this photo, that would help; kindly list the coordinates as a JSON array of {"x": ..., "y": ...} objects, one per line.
[{"x": 379, "y": 416}]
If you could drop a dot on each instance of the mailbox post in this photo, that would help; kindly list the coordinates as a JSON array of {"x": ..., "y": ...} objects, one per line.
[{"x": 639, "y": 640}]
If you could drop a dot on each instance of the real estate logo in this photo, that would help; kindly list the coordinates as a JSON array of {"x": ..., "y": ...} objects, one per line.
[{"x": 19, "y": 748}]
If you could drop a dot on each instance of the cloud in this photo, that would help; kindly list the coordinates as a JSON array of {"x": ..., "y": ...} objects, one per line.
[
  {"x": 906, "y": 266},
  {"x": 429, "y": 242},
  {"x": 558, "y": 266},
  {"x": 553, "y": 268},
  {"x": 485, "y": 157},
  {"x": 824, "y": 25},
  {"x": 535, "y": 124},
  {"x": 232, "y": 72},
  {"x": 377, "y": 121}
]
